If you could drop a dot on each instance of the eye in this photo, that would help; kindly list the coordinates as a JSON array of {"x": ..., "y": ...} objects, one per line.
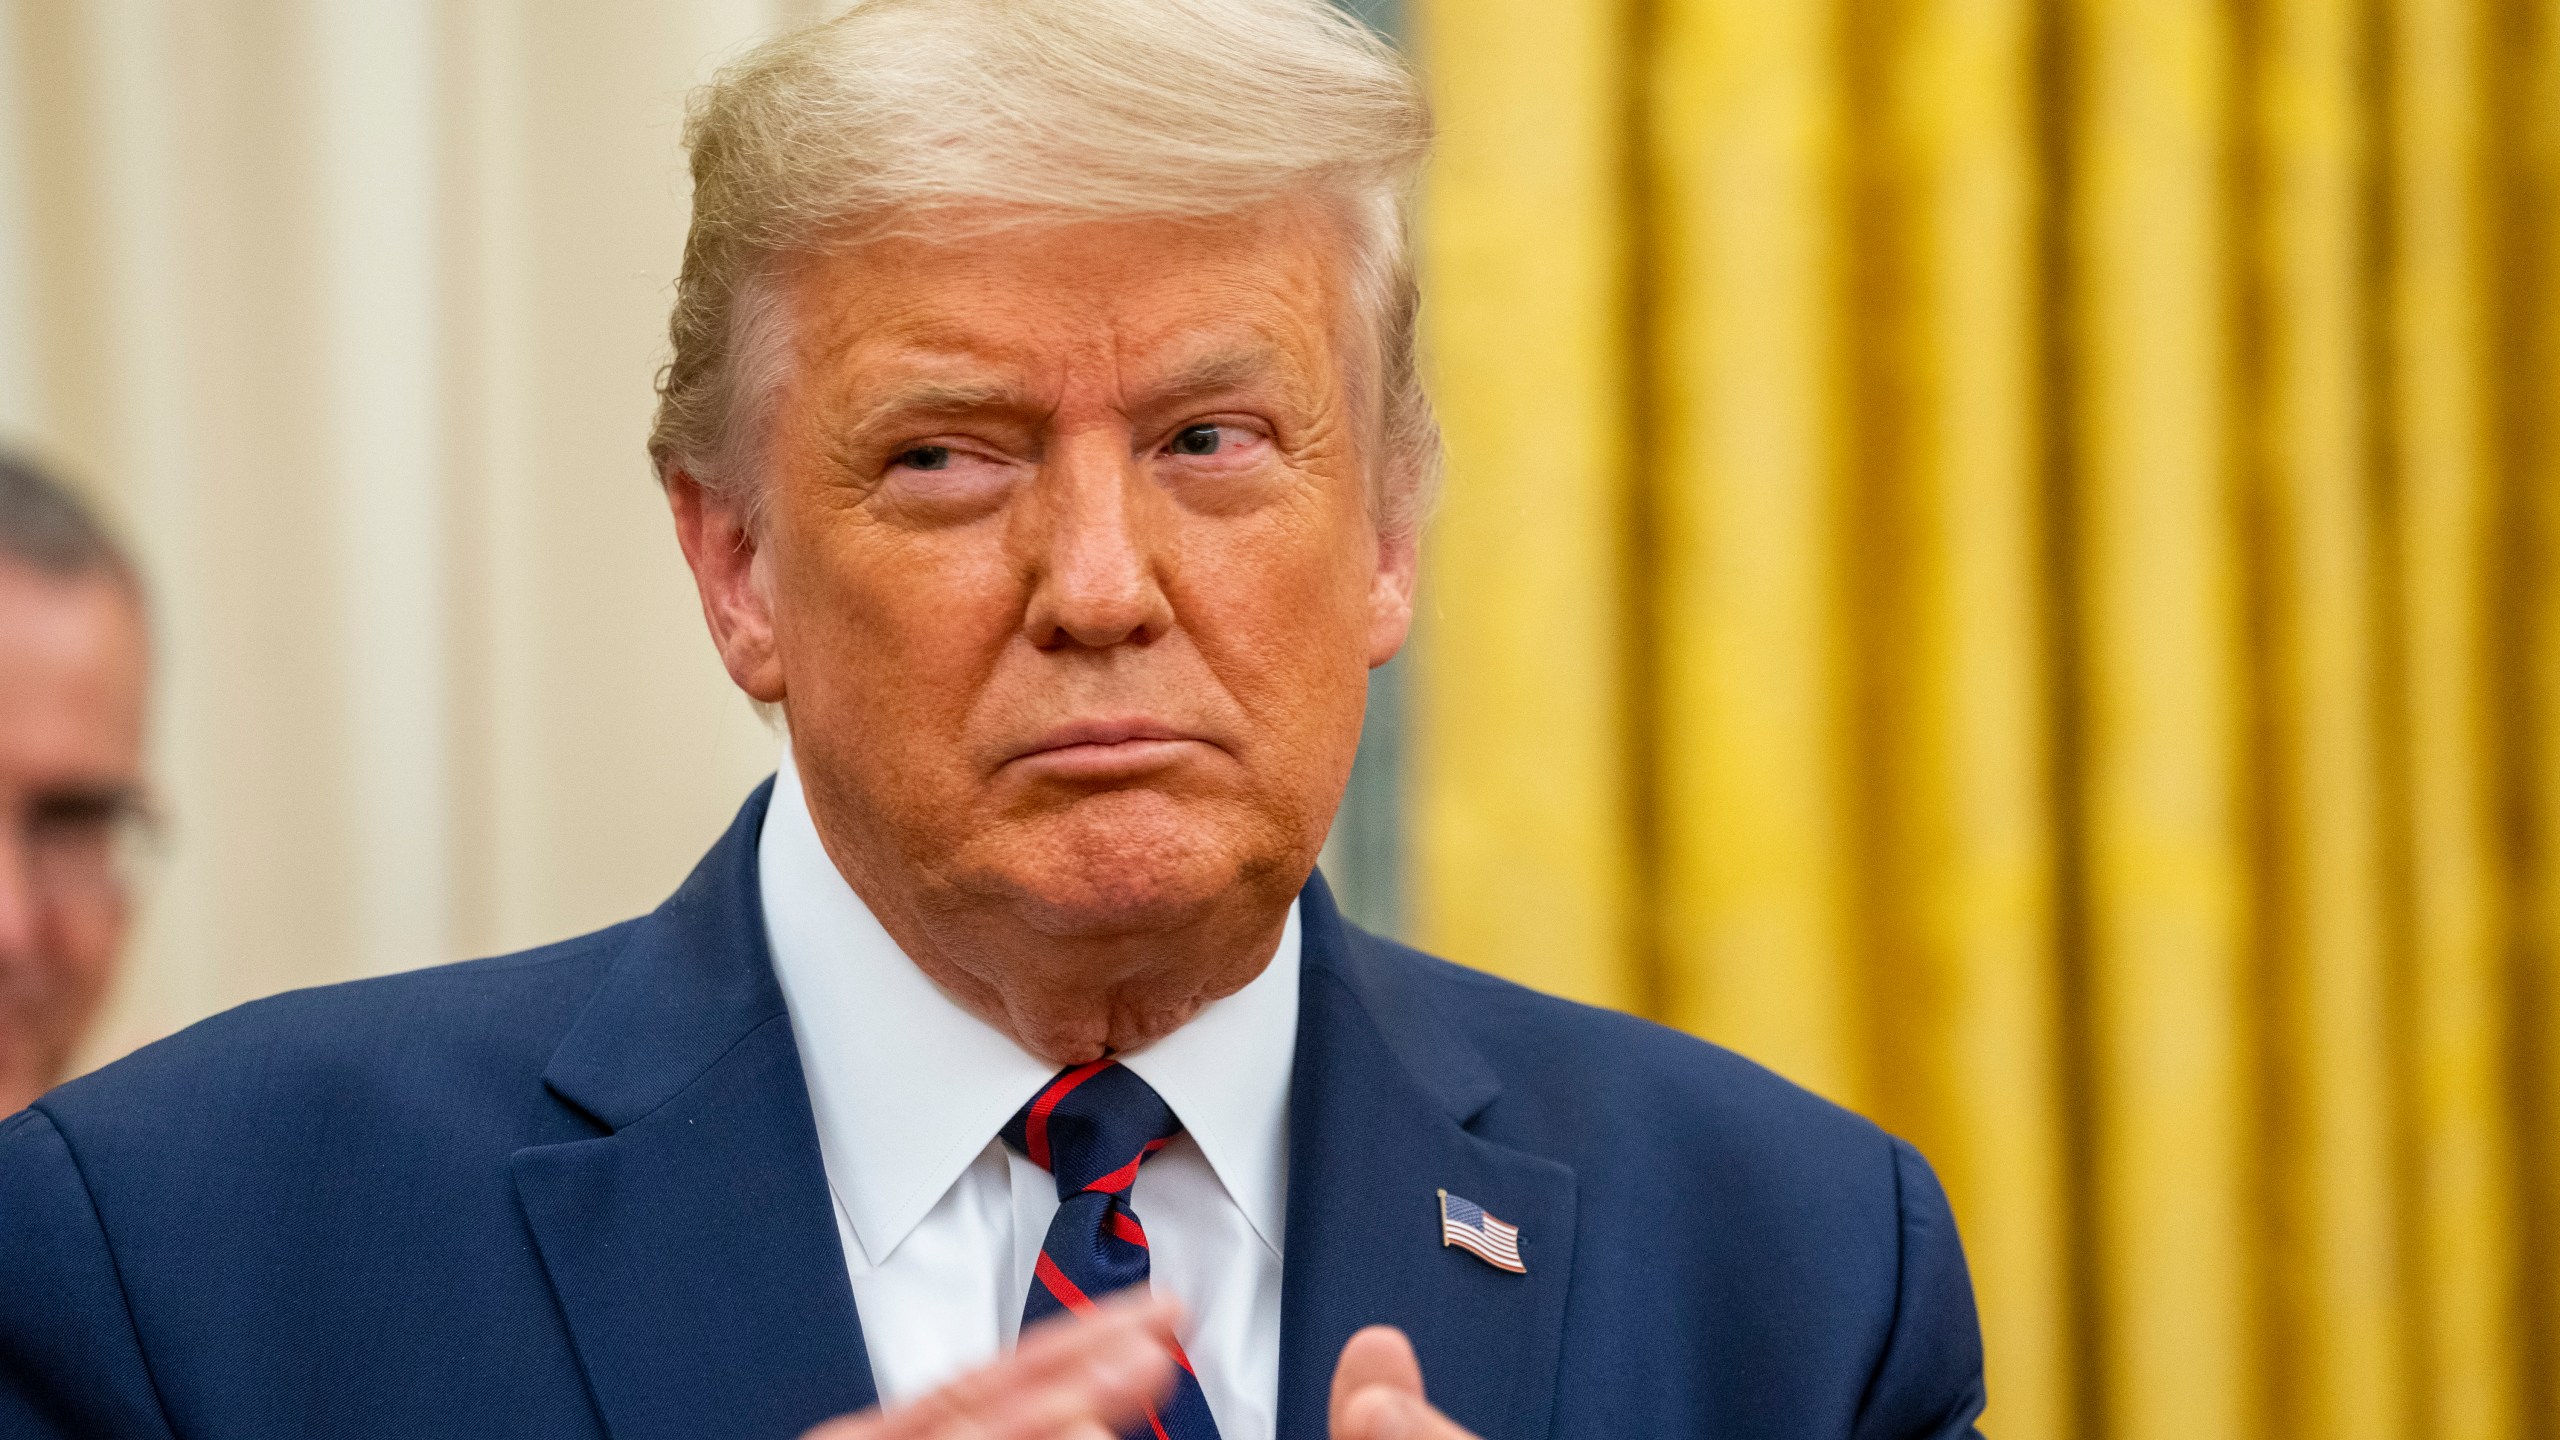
[
  {"x": 1197, "y": 440},
  {"x": 925, "y": 457}
]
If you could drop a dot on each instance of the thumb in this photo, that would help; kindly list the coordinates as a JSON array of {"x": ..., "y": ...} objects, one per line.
[{"x": 1377, "y": 1387}]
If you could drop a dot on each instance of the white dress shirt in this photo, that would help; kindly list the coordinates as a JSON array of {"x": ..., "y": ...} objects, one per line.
[{"x": 941, "y": 1223}]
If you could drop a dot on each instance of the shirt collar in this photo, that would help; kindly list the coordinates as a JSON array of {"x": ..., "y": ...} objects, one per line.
[
  {"x": 907, "y": 1087},
  {"x": 1226, "y": 1073}
]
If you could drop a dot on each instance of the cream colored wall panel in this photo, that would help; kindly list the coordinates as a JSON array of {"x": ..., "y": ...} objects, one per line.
[
  {"x": 351, "y": 314},
  {"x": 605, "y": 725},
  {"x": 371, "y": 71},
  {"x": 18, "y": 416}
]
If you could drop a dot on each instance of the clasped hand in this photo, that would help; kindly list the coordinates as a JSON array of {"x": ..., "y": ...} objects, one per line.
[{"x": 1092, "y": 1377}]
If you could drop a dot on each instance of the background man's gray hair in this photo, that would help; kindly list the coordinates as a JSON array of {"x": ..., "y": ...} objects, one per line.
[
  {"x": 44, "y": 525},
  {"x": 900, "y": 116}
]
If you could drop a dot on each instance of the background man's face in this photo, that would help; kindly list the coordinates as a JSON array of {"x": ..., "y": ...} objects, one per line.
[
  {"x": 71, "y": 693},
  {"x": 1071, "y": 565}
]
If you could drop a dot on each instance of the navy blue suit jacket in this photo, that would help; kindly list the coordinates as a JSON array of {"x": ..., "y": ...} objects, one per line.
[{"x": 576, "y": 1192}]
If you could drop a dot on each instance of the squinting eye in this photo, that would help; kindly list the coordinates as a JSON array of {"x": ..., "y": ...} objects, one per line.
[
  {"x": 926, "y": 457},
  {"x": 1196, "y": 440}
]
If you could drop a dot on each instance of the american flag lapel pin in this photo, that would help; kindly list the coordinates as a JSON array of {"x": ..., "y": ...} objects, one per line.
[{"x": 1464, "y": 1224}]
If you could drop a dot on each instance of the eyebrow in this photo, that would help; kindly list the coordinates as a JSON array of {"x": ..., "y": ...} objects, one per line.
[
  {"x": 1206, "y": 375},
  {"x": 1222, "y": 370},
  {"x": 937, "y": 397}
]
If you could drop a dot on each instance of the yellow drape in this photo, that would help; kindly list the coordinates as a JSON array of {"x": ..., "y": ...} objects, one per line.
[
  {"x": 1547, "y": 457},
  {"x": 2003, "y": 558}
]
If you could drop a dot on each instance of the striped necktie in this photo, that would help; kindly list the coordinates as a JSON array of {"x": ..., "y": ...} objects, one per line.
[{"x": 1089, "y": 1128}]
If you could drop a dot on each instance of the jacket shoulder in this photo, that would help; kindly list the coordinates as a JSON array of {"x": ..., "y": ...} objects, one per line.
[
  {"x": 1516, "y": 1024},
  {"x": 1596, "y": 1086},
  {"x": 1730, "y": 1224},
  {"x": 449, "y": 1030}
]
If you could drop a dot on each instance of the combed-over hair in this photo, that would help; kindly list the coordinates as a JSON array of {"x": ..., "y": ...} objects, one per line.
[{"x": 905, "y": 116}]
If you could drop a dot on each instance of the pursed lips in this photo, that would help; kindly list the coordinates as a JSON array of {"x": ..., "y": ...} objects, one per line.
[{"x": 1100, "y": 748}]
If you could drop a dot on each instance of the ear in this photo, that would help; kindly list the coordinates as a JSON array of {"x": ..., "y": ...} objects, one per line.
[
  {"x": 729, "y": 574},
  {"x": 1391, "y": 595}
]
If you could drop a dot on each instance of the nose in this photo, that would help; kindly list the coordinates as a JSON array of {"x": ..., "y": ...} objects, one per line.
[{"x": 1099, "y": 549}]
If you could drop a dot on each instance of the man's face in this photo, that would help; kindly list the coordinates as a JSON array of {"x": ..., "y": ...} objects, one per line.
[
  {"x": 71, "y": 692},
  {"x": 1071, "y": 571}
]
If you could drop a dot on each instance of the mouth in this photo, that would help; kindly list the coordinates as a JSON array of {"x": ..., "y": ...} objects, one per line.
[{"x": 1106, "y": 749}]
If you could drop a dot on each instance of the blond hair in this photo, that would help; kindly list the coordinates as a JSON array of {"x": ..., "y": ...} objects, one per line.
[{"x": 913, "y": 116}]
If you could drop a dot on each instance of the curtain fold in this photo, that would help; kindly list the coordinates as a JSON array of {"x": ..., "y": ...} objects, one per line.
[
  {"x": 2340, "y": 1285},
  {"x": 2087, "y": 478},
  {"x": 1959, "y": 728},
  {"x": 2152, "y": 565},
  {"x": 2535, "y": 236},
  {"x": 2444, "y": 469},
  {"x": 1523, "y": 630}
]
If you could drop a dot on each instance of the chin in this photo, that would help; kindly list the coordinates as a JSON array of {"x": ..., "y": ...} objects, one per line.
[{"x": 1130, "y": 862}]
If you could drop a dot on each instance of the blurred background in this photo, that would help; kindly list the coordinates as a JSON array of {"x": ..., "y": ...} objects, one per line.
[{"x": 2000, "y": 556}]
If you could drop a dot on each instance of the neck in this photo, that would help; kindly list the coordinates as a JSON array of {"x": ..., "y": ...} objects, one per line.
[
  {"x": 30, "y": 1070},
  {"x": 1073, "y": 997},
  {"x": 1071, "y": 1001}
]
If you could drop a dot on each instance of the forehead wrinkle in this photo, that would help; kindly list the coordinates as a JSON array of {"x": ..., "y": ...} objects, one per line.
[
  {"x": 936, "y": 397},
  {"x": 1229, "y": 365},
  {"x": 1227, "y": 369},
  {"x": 907, "y": 333}
]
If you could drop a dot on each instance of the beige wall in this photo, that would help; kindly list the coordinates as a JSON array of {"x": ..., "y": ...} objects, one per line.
[{"x": 349, "y": 314}]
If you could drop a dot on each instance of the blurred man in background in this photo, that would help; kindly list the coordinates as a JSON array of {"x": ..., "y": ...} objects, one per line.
[{"x": 73, "y": 672}]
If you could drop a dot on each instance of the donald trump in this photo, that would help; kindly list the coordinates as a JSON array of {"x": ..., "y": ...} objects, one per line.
[{"x": 1045, "y": 438}]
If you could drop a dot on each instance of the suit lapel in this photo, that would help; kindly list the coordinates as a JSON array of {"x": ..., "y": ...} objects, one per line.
[
  {"x": 693, "y": 1248},
  {"x": 1383, "y": 1094}
]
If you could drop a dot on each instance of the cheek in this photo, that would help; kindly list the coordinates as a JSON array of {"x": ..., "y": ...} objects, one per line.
[
  {"x": 888, "y": 629},
  {"x": 86, "y": 937},
  {"x": 1283, "y": 613}
]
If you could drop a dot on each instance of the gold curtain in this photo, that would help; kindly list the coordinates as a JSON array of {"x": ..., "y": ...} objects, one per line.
[{"x": 2003, "y": 558}]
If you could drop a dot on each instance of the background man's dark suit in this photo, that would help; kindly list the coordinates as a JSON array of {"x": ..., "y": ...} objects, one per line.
[{"x": 577, "y": 1191}]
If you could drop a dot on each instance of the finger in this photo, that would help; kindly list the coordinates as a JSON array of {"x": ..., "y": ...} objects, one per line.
[
  {"x": 1379, "y": 1355},
  {"x": 1377, "y": 1392},
  {"x": 1061, "y": 1335},
  {"x": 1102, "y": 1368},
  {"x": 1104, "y": 1380},
  {"x": 1065, "y": 1372},
  {"x": 1112, "y": 1399},
  {"x": 1381, "y": 1412}
]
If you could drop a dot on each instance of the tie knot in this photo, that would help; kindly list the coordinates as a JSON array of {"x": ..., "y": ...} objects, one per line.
[{"x": 1090, "y": 1126}]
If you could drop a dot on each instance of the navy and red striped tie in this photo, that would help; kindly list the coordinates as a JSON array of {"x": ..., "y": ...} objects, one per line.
[{"x": 1089, "y": 1128}]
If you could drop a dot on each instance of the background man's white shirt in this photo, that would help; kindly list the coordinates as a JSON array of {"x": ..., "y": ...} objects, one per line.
[{"x": 941, "y": 1223}]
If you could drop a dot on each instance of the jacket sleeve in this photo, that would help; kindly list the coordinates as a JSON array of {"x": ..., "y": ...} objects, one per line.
[
  {"x": 1929, "y": 1384},
  {"x": 71, "y": 1365}
]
